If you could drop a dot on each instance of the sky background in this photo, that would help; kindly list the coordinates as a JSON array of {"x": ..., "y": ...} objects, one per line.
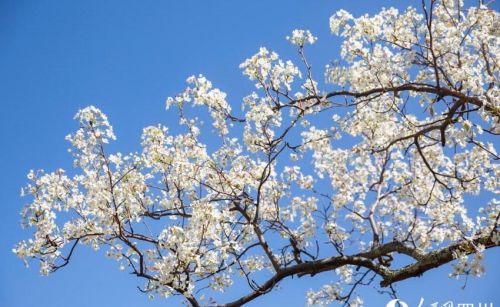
[{"x": 126, "y": 57}]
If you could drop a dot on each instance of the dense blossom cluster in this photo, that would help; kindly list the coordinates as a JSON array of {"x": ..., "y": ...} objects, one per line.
[
  {"x": 301, "y": 37},
  {"x": 402, "y": 162}
]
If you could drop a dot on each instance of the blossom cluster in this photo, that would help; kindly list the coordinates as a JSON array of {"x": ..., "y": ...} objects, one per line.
[{"x": 301, "y": 37}]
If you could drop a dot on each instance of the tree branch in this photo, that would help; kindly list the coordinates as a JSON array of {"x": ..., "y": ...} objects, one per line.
[{"x": 424, "y": 262}]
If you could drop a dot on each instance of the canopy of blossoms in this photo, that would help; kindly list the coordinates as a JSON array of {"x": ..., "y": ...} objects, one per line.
[{"x": 389, "y": 160}]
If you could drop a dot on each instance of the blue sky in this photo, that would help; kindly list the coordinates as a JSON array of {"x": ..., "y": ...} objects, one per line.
[{"x": 126, "y": 57}]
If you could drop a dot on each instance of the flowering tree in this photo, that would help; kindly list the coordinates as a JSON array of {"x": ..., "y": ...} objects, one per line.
[{"x": 388, "y": 162}]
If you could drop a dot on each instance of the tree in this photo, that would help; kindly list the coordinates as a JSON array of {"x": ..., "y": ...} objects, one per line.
[{"x": 416, "y": 93}]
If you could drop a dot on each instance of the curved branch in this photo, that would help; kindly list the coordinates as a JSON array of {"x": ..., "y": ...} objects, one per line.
[
  {"x": 424, "y": 262},
  {"x": 437, "y": 258}
]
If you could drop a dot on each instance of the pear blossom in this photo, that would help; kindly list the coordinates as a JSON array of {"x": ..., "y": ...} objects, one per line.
[
  {"x": 301, "y": 37},
  {"x": 393, "y": 158}
]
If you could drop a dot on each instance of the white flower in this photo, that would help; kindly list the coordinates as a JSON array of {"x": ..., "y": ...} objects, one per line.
[
  {"x": 339, "y": 20},
  {"x": 301, "y": 37}
]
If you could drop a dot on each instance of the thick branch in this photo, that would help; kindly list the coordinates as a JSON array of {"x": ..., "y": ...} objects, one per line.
[
  {"x": 424, "y": 262},
  {"x": 437, "y": 258}
]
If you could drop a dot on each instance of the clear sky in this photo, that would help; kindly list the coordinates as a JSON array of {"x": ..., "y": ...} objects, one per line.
[{"x": 126, "y": 57}]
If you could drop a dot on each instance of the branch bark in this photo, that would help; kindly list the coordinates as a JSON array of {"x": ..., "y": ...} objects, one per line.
[{"x": 424, "y": 262}]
